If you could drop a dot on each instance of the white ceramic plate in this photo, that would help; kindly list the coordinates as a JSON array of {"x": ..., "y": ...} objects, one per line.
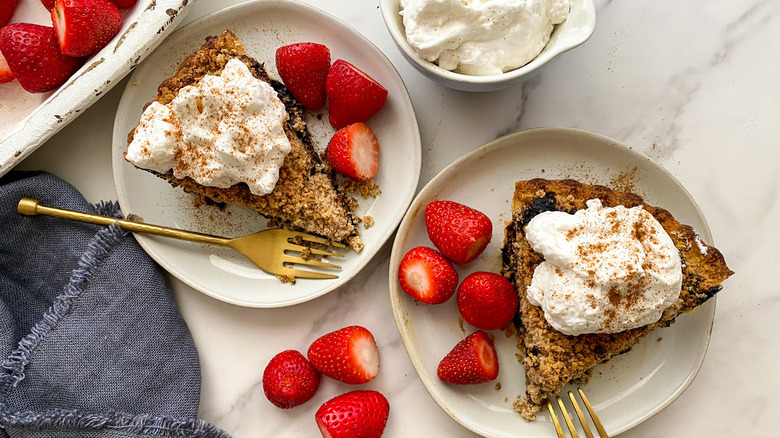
[
  {"x": 263, "y": 26},
  {"x": 29, "y": 119},
  {"x": 626, "y": 390}
]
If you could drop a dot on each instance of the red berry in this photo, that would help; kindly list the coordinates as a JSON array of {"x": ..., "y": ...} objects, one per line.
[
  {"x": 34, "y": 57},
  {"x": 303, "y": 68},
  {"x": 354, "y": 152},
  {"x": 124, "y": 4},
  {"x": 427, "y": 276},
  {"x": 6, "y": 75},
  {"x": 289, "y": 380},
  {"x": 356, "y": 414},
  {"x": 353, "y": 95},
  {"x": 487, "y": 300},
  {"x": 461, "y": 233},
  {"x": 349, "y": 355},
  {"x": 7, "y": 8},
  {"x": 472, "y": 361},
  {"x": 85, "y": 26},
  {"x": 48, "y": 4}
]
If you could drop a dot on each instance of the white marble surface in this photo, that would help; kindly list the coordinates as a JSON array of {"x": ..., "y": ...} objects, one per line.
[{"x": 693, "y": 85}]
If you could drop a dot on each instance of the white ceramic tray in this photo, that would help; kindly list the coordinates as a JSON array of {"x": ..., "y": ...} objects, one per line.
[{"x": 27, "y": 120}]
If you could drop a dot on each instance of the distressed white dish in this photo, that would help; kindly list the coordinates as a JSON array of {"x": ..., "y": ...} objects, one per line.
[
  {"x": 573, "y": 32},
  {"x": 29, "y": 119},
  {"x": 626, "y": 390},
  {"x": 263, "y": 26}
]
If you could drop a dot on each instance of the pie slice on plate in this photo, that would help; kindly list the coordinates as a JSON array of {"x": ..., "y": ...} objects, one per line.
[
  {"x": 551, "y": 358},
  {"x": 305, "y": 196}
]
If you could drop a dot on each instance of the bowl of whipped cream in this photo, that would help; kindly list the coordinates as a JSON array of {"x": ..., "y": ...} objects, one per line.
[{"x": 486, "y": 45}]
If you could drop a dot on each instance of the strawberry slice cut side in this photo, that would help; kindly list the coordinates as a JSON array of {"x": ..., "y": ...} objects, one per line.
[
  {"x": 6, "y": 75},
  {"x": 354, "y": 152}
]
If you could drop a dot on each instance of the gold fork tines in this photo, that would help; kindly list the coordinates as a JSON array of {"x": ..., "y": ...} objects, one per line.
[
  {"x": 567, "y": 418},
  {"x": 268, "y": 249}
]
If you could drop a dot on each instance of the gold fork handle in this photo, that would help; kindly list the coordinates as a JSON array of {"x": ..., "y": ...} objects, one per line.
[{"x": 32, "y": 207}]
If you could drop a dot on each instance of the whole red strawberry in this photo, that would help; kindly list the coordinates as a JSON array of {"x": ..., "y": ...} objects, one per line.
[
  {"x": 48, "y": 4},
  {"x": 427, "y": 276},
  {"x": 289, "y": 380},
  {"x": 33, "y": 56},
  {"x": 7, "y": 8},
  {"x": 85, "y": 26},
  {"x": 461, "y": 233},
  {"x": 353, "y": 95},
  {"x": 349, "y": 355},
  {"x": 356, "y": 414},
  {"x": 303, "y": 68},
  {"x": 487, "y": 300},
  {"x": 472, "y": 361},
  {"x": 354, "y": 152}
]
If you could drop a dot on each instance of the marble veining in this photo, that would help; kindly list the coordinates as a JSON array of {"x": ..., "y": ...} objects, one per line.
[{"x": 693, "y": 85}]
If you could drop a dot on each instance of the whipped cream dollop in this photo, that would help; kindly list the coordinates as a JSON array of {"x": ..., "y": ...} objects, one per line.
[
  {"x": 605, "y": 269},
  {"x": 481, "y": 37},
  {"x": 222, "y": 131}
]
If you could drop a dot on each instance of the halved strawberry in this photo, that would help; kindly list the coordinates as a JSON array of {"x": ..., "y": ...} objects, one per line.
[
  {"x": 460, "y": 232},
  {"x": 356, "y": 414},
  {"x": 7, "y": 8},
  {"x": 353, "y": 95},
  {"x": 472, "y": 361},
  {"x": 6, "y": 75},
  {"x": 289, "y": 380},
  {"x": 427, "y": 276},
  {"x": 349, "y": 355},
  {"x": 85, "y": 26},
  {"x": 354, "y": 152},
  {"x": 303, "y": 68},
  {"x": 32, "y": 53}
]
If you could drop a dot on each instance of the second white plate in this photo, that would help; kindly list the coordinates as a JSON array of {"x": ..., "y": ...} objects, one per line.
[
  {"x": 626, "y": 390},
  {"x": 263, "y": 26}
]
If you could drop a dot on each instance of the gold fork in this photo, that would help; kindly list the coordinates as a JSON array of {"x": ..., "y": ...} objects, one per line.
[
  {"x": 266, "y": 249},
  {"x": 567, "y": 418}
]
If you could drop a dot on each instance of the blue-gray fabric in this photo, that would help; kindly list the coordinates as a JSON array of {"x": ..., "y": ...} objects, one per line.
[{"x": 92, "y": 343}]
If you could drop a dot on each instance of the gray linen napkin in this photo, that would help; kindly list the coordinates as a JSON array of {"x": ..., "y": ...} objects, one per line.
[{"x": 91, "y": 341}]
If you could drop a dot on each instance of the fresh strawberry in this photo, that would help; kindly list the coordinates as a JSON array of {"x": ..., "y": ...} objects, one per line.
[
  {"x": 7, "y": 8},
  {"x": 459, "y": 232},
  {"x": 289, "y": 380},
  {"x": 85, "y": 26},
  {"x": 303, "y": 68},
  {"x": 349, "y": 355},
  {"x": 353, "y": 95},
  {"x": 6, "y": 75},
  {"x": 48, "y": 4},
  {"x": 427, "y": 276},
  {"x": 124, "y": 4},
  {"x": 356, "y": 414},
  {"x": 472, "y": 361},
  {"x": 487, "y": 300},
  {"x": 354, "y": 152},
  {"x": 34, "y": 57}
]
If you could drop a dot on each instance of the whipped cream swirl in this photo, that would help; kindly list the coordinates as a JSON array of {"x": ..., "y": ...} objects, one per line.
[
  {"x": 224, "y": 130},
  {"x": 606, "y": 269},
  {"x": 481, "y": 37}
]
